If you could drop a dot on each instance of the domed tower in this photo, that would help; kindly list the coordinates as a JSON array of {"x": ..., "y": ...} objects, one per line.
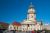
[{"x": 31, "y": 13}]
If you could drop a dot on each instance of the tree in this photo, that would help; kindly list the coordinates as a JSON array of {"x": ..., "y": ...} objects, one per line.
[{"x": 1, "y": 26}]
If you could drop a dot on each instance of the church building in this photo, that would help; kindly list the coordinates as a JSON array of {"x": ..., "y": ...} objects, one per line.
[{"x": 30, "y": 23}]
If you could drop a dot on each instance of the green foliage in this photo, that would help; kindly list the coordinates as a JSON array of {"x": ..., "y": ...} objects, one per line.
[{"x": 1, "y": 26}]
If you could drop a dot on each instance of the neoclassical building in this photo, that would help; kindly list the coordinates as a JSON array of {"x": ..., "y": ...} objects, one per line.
[{"x": 29, "y": 24}]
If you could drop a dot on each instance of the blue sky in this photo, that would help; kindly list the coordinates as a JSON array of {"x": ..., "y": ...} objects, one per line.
[{"x": 16, "y": 10}]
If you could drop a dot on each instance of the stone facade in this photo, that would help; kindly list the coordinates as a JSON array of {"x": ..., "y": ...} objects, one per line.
[{"x": 29, "y": 24}]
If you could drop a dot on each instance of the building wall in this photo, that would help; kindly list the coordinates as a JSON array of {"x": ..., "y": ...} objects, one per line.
[
  {"x": 11, "y": 27},
  {"x": 25, "y": 27}
]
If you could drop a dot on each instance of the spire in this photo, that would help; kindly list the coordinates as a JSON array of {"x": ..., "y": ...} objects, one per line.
[
  {"x": 31, "y": 5},
  {"x": 31, "y": 9},
  {"x": 41, "y": 22}
]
